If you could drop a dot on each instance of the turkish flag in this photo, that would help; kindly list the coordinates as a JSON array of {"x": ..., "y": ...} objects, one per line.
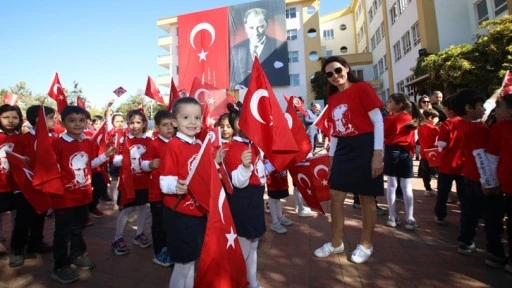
[
  {"x": 433, "y": 157},
  {"x": 80, "y": 102},
  {"x": 320, "y": 176},
  {"x": 222, "y": 263},
  {"x": 126, "y": 186},
  {"x": 23, "y": 176},
  {"x": 298, "y": 103},
  {"x": 323, "y": 124},
  {"x": 173, "y": 95},
  {"x": 199, "y": 177},
  {"x": 213, "y": 99},
  {"x": 153, "y": 92},
  {"x": 298, "y": 131},
  {"x": 507, "y": 80},
  {"x": 11, "y": 99},
  {"x": 263, "y": 122},
  {"x": 225, "y": 179},
  {"x": 101, "y": 138},
  {"x": 204, "y": 48},
  {"x": 301, "y": 174},
  {"x": 56, "y": 92},
  {"x": 46, "y": 169}
]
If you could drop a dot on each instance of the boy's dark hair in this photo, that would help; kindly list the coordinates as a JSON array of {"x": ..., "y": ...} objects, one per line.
[
  {"x": 409, "y": 107},
  {"x": 97, "y": 118},
  {"x": 7, "y": 108},
  {"x": 448, "y": 102},
  {"x": 466, "y": 97},
  {"x": 162, "y": 115},
  {"x": 74, "y": 110},
  {"x": 33, "y": 113},
  {"x": 507, "y": 99},
  {"x": 138, "y": 112},
  {"x": 181, "y": 101},
  {"x": 430, "y": 113}
]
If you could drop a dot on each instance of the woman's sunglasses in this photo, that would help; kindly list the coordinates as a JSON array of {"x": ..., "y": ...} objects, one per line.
[
  {"x": 337, "y": 70},
  {"x": 425, "y": 101}
]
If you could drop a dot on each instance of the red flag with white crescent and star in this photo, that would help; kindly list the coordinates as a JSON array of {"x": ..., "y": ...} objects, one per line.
[
  {"x": 433, "y": 157},
  {"x": 222, "y": 263},
  {"x": 301, "y": 176},
  {"x": 56, "y": 92},
  {"x": 298, "y": 130},
  {"x": 173, "y": 95},
  {"x": 263, "y": 121},
  {"x": 204, "y": 47},
  {"x": 320, "y": 176},
  {"x": 323, "y": 124},
  {"x": 213, "y": 100},
  {"x": 11, "y": 99},
  {"x": 153, "y": 92},
  {"x": 298, "y": 103},
  {"x": 80, "y": 102}
]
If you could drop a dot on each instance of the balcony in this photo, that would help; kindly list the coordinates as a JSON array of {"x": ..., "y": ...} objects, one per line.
[
  {"x": 165, "y": 42},
  {"x": 164, "y": 80},
  {"x": 167, "y": 23},
  {"x": 164, "y": 61}
]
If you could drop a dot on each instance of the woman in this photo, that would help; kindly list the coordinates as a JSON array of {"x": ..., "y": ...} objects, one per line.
[
  {"x": 357, "y": 156},
  {"x": 424, "y": 103}
]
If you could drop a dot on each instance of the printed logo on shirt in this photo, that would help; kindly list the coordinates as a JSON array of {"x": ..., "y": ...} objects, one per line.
[
  {"x": 78, "y": 164},
  {"x": 136, "y": 152},
  {"x": 192, "y": 204},
  {"x": 341, "y": 116},
  {"x": 4, "y": 164}
]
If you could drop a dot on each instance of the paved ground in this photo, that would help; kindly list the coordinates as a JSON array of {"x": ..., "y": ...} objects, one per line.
[{"x": 424, "y": 258}]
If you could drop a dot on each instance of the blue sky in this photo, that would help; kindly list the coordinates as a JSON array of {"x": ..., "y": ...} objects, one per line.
[{"x": 102, "y": 44}]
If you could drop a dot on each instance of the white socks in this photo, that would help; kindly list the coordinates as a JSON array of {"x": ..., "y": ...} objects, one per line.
[
  {"x": 406, "y": 185},
  {"x": 276, "y": 210},
  {"x": 141, "y": 218},
  {"x": 298, "y": 199},
  {"x": 122, "y": 219},
  {"x": 113, "y": 190},
  {"x": 182, "y": 275},
  {"x": 250, "y": 251}
]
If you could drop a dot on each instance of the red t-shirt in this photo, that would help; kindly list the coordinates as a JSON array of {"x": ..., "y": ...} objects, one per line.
[
  {"x": 451, "y": 157},
  {"x": 475, "y": 138},
  {"x": 158, "y": 149},
  {"x": 396, "y": 131},
  {"x": 427, "y": 136},
  {"x": 7, "y": 143},
  {"x": 233, "y": 159},
  {"x": 347, "y": 111},
  {"x": 177, "y": 162},
  {"x": 74, "y": 159},
  {"x": 500, "y": 144},
  {"x": 140, "y": 150}
]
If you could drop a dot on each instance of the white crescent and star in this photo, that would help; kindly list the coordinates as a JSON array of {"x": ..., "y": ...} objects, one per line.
[
  {"x": 289, "y": 119},
  {"x": 301, "y": 176},
  {"x": 321, "y": 167},
  {"x": 55, "y": 88},
  {"x": 432, "y": 155},
  {"x": 199, "y": 91},
  {"x": 199, "y": 27},
  {"x": 220, "y": 202},
  {"x": 231, "y": 238},
  {"x": 254, "y": 103}
]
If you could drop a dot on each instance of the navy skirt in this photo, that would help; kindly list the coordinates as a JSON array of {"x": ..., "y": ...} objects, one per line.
[
  {"x": 351, "y": 169},
  {"x": 397, "y": 162},
  {"x": 247, "y": 209},
  {"x": 7, "y": 202},
  {"x": 184, "y": 235},
  {"x": 141, "y": 198},
  {"x": 278, "y": 194}
]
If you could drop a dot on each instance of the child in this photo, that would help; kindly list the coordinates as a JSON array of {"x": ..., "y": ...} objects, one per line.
[
  {"x": 116, "y": 134},
  {"x": 427, "y": 136},
  {"x": 165, "y": 131},
  {"x": 244, "y": 163},
  {"x": 449, "y": 144},
  {"x": 184, "y": 220},
  {"x": 136, "y": 146},
  {"x": 226, "y": 131},
  {"x": 76, "y": 156},
  {"x": 29, "y": 225},
  {"x": 277, "y": 189},
  {"x": 499, "y": 153},
  {"x": 400, "y": 143}
]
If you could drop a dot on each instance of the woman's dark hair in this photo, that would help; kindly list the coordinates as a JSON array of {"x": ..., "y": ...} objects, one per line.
[
  {"x": 466, "y": 97},
  {"x": 140, "y": 113},
  {"x": 234, "y": 114},
  {"x": 421, "y": 99},
  {"x": 7, "y": 108},
  {"x": 409, "y": 107},
  {"x": 331, "y": 89},
  {"x": 430, "y": 113},
  {"x": 72, "y": 109},
  {"x": 221, "y": 118},
  {"x": 183, "y": 100}
]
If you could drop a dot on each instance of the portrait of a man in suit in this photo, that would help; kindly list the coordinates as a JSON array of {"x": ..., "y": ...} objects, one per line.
[{"x": 272, "y": 53}]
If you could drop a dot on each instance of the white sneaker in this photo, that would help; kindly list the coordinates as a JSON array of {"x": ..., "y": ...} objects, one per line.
[
  {"x": 411, "y": 225},
  {"x": 327, "y": 250},
  {"x": 285, "y": 221},
  {"x": 278, "y": 228},
  {"x": 306, "y": 212},
  {"x": 361, "y": 254},
  {"x": 392, "y": 222},
  {"x": 267, "y": 207}
]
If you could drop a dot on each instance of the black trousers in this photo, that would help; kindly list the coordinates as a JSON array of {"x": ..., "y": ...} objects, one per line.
[
  {"x": 444, "y": 187},
  {"x": 69, "y": 224},
  {"x": 28, "y": 226},
  {"x": 99, "y": 188},
  {"x": 493, "y": 214},
  {"x": 425, "y": 172},
  {"x": 471, "y": 210},
  {"x": 508, "y": 211},
  {"x": 157, "y": 227}
]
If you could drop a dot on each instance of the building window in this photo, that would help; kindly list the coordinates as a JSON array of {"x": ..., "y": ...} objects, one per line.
[
  {"x": 398, "y": 51},
  {"x": 406, "y": 42},
  {"x": 291, "y": 34},
  {"x": 359, "y": 74},
  {"x": 481, "y": 11},
  {"x": 402, "y": 4},
  {"x": 375, "y": 72},
  {"x": 294, "y": 79},
  {"x": 416, "y": 38},
  {"x": 360, "y": 34},
  {"x": 373, "y": 42},
  {"x": 500, "y": 6},
  {"x": 328, "y": 34},
  {"x": 392, "y": 14},
  {"x": 377, "y": 36},
  {"x": 385, "y": 63},
  {"x": 370, "y": 14},
  {"x": 291, "y": 13},
  {"x": 328, "y": 53},
  {"x": 343, "y": 27},
  {"x": 400, "y": 86},
  {"x": 382, "y": 30},
  {"x": 381, "y": 66},
  {"x": 293, "y": 56}
]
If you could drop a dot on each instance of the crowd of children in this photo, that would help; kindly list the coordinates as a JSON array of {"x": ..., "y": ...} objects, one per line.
[{"x": 153, "y": 170}]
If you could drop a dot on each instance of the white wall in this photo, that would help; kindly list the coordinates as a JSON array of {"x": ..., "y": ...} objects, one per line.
[
  {"x": 341, "y": 38},
  {"x": 454, "y": 23}
]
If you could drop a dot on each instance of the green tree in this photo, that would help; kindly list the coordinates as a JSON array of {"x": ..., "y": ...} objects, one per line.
[{"x": 319, "y": 86}]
